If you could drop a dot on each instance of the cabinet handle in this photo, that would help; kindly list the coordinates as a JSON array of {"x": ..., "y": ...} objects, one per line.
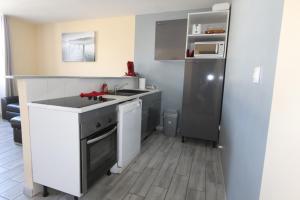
[{"x": 102, "y": 136}]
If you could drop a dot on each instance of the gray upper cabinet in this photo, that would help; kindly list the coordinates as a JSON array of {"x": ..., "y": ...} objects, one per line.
[{"x": 170, "y": 39}]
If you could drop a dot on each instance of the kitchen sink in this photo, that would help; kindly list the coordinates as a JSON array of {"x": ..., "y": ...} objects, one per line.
[{"x": 126, "y": 92}]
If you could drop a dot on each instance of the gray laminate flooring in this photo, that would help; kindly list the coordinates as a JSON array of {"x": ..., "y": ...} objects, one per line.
[
  {"x": 11, "y": 164},
  {"x": 166, "y": 169}
]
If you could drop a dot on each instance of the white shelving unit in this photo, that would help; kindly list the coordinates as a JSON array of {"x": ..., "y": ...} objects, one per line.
[{"x": 208, "y": 20}]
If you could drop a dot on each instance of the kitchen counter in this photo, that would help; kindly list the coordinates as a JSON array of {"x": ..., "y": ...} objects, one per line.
[
  {"x": 67, "y": 135},
  {"x": 32, "y": 88},
  {"x": 75, "y": 77},
  {"x": 117, "y": 99}
]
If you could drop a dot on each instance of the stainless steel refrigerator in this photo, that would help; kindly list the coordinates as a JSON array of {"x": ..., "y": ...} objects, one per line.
[{"x": 202, "y": 99}]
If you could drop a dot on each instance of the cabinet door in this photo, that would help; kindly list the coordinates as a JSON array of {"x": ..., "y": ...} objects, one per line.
[
  {"x": 150, "y": 113},
  {"x": 202, "y": 99},
  {"x": 157, "y": 111},
  {"x": 170, "y": 39},
  {"x": 151, "y": 121},
  {"x": 154, "y": 112},
  {"x": 145, "y": 116}
]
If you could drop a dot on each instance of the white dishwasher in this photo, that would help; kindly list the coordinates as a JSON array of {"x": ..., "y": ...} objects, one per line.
[{"x": 129, "y": 133}]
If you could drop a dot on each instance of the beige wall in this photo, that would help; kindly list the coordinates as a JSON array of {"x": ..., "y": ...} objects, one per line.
[
  {"x": 114, "y": 47},
  {"x": 36, "y": 48},
  {"x": 23, "y": 46},
  {"x": 282, "y": 160}
]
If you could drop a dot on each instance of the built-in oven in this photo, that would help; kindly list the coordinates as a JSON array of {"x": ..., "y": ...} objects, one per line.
[{"x": 98, "y": 144}]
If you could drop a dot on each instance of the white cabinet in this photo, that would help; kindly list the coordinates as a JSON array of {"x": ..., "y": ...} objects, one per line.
[{"x": 55, "y": 145}]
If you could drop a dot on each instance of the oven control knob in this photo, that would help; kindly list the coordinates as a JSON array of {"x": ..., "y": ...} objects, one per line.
[{"x": 98, "y": 125}]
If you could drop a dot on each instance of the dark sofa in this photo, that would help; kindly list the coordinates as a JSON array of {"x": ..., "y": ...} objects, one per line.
[
  {"x": 11, "y": 112},
  {"x": 10, "y": 107}
]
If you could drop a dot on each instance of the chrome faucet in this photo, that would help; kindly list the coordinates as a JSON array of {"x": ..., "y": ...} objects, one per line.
[{"x": 119, "y": 86}]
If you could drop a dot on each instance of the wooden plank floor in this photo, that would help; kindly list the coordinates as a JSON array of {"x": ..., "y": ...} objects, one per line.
[
  {"x": 11, "y": 164},
  {"x": 166, "y": 169}
]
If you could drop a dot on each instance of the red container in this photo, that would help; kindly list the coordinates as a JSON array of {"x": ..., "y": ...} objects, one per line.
[
  {"x": 104, "y": 88},
  {"x": 130, "y": 68}
]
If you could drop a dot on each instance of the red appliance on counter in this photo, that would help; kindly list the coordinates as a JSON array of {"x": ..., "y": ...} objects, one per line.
[
  {"x": 130, "y": 68},
  {"x": 104, "y": 91},
  {"x": 104, "y": 88}
]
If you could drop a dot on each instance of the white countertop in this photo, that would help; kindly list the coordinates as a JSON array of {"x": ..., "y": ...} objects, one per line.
[
  {"x": 80, "y": 77},
  {"x": 117, "y": 99}
]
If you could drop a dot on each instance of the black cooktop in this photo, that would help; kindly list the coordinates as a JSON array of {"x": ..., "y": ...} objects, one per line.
[{"x": 74, "y": 102}]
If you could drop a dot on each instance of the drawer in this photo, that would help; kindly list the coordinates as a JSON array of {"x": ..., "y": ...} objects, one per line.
[{"x": 95, "y": 120}]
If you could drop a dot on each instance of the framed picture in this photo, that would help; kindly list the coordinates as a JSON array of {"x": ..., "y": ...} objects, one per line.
[{"x": 78, "y": 47}]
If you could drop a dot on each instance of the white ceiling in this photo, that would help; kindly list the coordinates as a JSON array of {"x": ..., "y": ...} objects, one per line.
[{"x": 61, "y": 10}]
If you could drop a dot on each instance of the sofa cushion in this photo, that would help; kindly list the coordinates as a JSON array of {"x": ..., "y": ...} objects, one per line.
[
  {"x": 16, "y": 122},
  {"x": 13, "y": 107},
  {"x": 10, "y": 115}
]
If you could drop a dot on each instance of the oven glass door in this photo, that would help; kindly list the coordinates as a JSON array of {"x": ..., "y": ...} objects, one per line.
[{"x": 101, "y": 153}]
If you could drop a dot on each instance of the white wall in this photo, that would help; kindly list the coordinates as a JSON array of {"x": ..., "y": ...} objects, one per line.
[
  {"x": 23, "y": 46},
  {"x": 36, "y": 48},
  {"x": 282, "y": 161},
  {"x": 114, "y": 46},
  {"x": 253, "y": 40}
]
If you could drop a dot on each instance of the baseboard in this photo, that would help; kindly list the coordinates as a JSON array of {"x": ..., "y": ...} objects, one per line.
[{"x": 31, "y": 192}]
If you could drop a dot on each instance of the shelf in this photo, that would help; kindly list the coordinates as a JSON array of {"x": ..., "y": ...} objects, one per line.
[
  {"x": 204, "y": 58},
  {"x": 209, "y": 17},
  {"x": 208, "y": 36},
  {"x": 193, "y": 39},
  {"x": 207, "y": 20}
]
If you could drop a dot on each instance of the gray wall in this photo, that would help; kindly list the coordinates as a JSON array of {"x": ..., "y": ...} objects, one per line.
[
  {"x": 254, "y": 35},
  {"x": 167, "y": 75}
]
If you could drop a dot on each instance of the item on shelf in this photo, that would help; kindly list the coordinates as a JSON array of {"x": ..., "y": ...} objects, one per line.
[
  {"x": 211, "y": 49},
  {"x": 192, "y": 53},
  {"x": 221, "y": 6},
  {"x": 189, "y": 54},
  {"x": 197, "y": 29},
  {"x": 130, "y": 68},
  {"x": 214, "y": 31}
]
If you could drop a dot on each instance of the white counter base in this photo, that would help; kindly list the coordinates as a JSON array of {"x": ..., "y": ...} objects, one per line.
[{"x": 55, "y": 149}]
